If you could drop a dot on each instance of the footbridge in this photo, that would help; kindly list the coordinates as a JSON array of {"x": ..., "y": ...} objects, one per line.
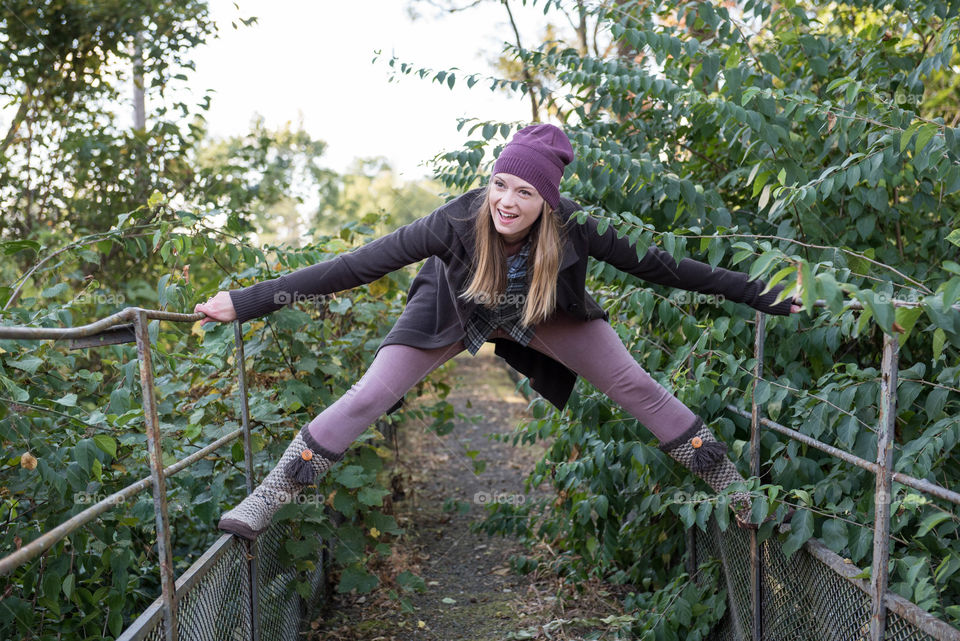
[{"x": 237, "y": 590}]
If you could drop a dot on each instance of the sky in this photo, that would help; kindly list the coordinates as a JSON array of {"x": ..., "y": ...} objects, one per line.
[{"x": 312, "y": 60}]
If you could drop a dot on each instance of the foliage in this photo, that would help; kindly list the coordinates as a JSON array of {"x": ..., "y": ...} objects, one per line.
[
  {"x": 65, "y": 161},
  {"x": 370, "y": 186},
  {"x": 812, "y": 145},
  {"x": 73, "y": 429},
  {"x": 100, "y": 217}
]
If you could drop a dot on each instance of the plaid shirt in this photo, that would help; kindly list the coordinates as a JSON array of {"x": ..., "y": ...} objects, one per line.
[{"x": 508, "y": 313}]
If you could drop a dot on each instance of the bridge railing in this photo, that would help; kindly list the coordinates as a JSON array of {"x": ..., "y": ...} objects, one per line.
[
  {"x": 161, "y": 621},
  {"x": 229, "y": 560},
  {"x": 875, "y": 628}
]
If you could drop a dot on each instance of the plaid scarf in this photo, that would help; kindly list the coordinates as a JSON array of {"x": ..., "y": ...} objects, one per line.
[{"x": 508, "y": 312}]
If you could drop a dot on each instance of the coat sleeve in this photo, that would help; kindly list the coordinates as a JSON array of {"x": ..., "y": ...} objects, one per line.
[
  {"x": 658, "y": 266},
  {"x": 432, "y": 235}
]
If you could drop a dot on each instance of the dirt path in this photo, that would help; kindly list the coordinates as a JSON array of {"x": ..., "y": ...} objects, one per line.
[{"x": 471, "y": 592}]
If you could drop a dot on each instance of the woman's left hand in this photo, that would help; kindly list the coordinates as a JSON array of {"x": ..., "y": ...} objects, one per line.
[{"x": 796, "y": 306}]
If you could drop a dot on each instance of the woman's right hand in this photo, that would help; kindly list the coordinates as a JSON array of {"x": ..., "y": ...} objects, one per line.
[{"x": 217, "y": 308}]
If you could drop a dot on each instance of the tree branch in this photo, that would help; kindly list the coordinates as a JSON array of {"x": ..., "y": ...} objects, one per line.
[
  {"x": 527, "y": 78},
  {"x": 17, "y": 119}
]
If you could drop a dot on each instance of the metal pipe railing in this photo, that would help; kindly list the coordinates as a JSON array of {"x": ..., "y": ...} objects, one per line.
[
  {"x": 882, "y": 468},
  {"x": 884, "y": 485},
  {"x": 252, "y": 564},
  {"x": 157, "y": 481},
  {"x": 921, "y": 485},
  {"x": 42, "y": 543},
  {"x": 155, "y": 444},
  {"x": 756, "y": 571},
  {"x": 127, "y": 315}
]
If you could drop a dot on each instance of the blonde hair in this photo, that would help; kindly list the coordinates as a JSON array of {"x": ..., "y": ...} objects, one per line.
[{"x": 489, "y": 282}]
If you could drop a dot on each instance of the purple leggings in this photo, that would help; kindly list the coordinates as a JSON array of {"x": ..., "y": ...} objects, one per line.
[{"x": 592, "y": 349}]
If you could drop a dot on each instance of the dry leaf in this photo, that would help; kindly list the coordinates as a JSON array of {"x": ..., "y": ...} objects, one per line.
[{"x": 28, "y": 461}]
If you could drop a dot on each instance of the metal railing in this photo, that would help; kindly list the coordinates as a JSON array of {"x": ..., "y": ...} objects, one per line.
[
  {"x": 129, "y": 325},
  {"x": 881, "y": 600},
  {"x": 231, "y": 560}
]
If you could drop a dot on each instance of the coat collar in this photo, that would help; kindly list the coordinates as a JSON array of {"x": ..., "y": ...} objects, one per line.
[{"x": 462, "y": 219}]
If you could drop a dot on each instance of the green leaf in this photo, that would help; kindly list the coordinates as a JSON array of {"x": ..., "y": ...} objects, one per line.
[
  {"x": 372, "y": 495},
  {"x": 57, "y": 289},
  {"x": 19, "y": 394},
  {"x": 106, "y": 443},
  {"x": 351, "y": 476},
  {"x": 908, "y": 134},
  {"x": 926, "y": 133},
  {"x": 954, "y": 237},
  {"x": 115, "y": 622},
  {"x": 931, "y": 521},
  {"x": 29, "y": 364},
  {"x": 834, "y": 535},
  {"x": 906, "y": 318},
  {"x": 935, "y": 402},
  {"x": 67, "y": 586},
  {"x": 809, "y": 293},
  {"x": 356, "y": 578},
  {"x": 761, "y": 264},
  {"x": 11, "y": 247},
  {"x": 764, "y": 197},
  {"x": 939, "y": 338},
  {"x": 409, "y": 581},
  {"x": 801, "y": 529},
  {"x": 70, "y": 400}
]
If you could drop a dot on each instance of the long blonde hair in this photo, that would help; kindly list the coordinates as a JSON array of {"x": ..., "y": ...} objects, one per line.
[{"x": 489, "y": 283}]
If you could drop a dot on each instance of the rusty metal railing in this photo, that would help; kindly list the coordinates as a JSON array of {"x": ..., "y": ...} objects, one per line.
[
  {"x": 129, "y": 325},
  {"x": 885, "y": 476}
]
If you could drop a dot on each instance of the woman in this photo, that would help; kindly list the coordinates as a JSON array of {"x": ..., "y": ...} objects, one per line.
[{"x": 506, "y": 263}]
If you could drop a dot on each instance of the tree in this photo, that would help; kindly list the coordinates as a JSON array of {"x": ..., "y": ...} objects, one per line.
[
  {"x": 798, "y": 142},
  {"x": 371, "y": 187}
]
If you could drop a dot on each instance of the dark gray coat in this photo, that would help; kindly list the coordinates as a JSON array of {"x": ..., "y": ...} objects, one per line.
[{"x": 434, "y": 316}]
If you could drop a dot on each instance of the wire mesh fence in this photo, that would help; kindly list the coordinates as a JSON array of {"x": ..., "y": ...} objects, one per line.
[
  {"x": 213, "y": 598},
  {"x": 811, "y": 596}
]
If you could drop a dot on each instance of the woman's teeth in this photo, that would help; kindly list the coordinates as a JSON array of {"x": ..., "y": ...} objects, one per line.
[{"x": 509, "y": 216}]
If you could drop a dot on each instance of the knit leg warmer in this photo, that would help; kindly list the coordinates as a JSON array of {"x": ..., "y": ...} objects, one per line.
[
  {"x": 300, "y": 465},
  {"x": 699, "y": 451}
]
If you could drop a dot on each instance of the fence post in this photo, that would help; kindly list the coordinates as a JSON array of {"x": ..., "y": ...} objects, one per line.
[
  {"x": 882, "y": 497},
  {"x": 248, "y": 468},
  {"x": 155, "y": 445},
  {"x": 756, "y": 577}
]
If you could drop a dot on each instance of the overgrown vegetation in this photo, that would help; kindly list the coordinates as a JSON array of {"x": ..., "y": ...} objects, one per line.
[
  {"x": 795, "y": 141},
  {"x": 801, "y": 142}
]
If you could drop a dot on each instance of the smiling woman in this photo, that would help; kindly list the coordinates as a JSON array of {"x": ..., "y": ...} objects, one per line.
[
  {"x": 531, "y": 303},
  {"x": 515, "y": 205}
]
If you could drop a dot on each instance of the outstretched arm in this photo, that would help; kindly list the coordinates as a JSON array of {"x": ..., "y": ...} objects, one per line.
[
  {"x": 658, "y": 266},
  {"x": 431, "y": 235}
]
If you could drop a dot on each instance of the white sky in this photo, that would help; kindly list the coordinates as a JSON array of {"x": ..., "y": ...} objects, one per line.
[{"x": 311, "y": 59}]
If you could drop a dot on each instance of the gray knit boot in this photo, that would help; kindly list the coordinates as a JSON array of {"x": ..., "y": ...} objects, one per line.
[
  {"x": 700, "y": 452},
  {"x": 302, "y": 462}
]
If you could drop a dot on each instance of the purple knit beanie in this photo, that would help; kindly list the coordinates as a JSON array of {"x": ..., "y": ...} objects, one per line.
[{"x": 537, "y": 154}]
